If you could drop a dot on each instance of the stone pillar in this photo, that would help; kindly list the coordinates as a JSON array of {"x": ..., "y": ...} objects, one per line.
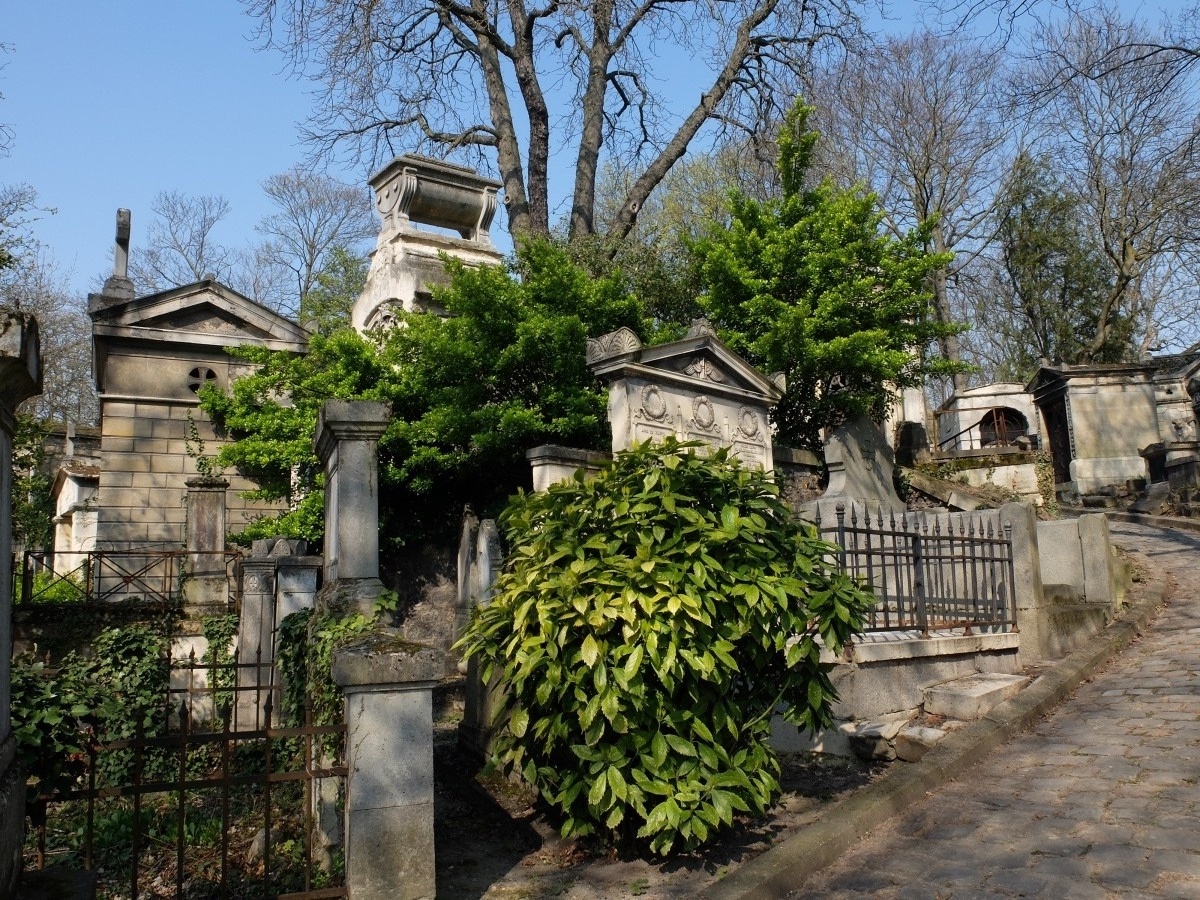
[
  {"x": 1032, "y": 618},
  {"x": 482, "y": 700},
  {"x": 207, "y": 585},
  {"x": 256, "y": 633},
  {"x": 20, "y": 378},
  {"x": 388, "y": 684},
  {"x": 1099, "y": 568},
  {"x": 346, "y": 442}
]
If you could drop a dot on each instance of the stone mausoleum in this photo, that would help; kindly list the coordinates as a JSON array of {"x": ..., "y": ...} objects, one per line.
[
  {"x": 455, "y": 205},
  {"x": 1113, "y": 423},
  {"x": 151, "y": 355}
]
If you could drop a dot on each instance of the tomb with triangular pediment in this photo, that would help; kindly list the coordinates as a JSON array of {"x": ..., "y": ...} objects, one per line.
[
  {"x": 151, "y": 357},
  {"x": 695, "y": 389}
]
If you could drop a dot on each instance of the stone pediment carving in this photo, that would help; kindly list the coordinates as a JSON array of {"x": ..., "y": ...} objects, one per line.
[
  {"x": 693, "y": 389},
  {"x": 205, "y": 310}
]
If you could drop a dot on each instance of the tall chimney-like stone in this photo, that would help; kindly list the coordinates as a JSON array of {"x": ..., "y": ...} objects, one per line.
[{"x": 118, "y": 287}]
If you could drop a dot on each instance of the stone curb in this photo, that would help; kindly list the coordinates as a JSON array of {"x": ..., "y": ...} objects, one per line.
[{"x": 788, "y": 865}]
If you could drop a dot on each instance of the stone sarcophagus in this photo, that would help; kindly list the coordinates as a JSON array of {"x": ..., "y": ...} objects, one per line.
[
  {"x": 695, "y": 389},
  {"x": 407, "y": 262}
]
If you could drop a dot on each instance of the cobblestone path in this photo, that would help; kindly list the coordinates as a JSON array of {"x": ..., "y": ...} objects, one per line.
[{"x": 1101, "y": 799}]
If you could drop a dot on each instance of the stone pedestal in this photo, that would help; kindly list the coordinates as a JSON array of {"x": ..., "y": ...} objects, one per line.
[
  {"x": 346, "y": 442},
  {"x": 388, "y": 684},
  {"x": 20, "y": 378}
]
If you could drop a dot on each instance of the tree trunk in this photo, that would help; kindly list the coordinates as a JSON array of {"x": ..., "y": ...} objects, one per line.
[
  {"x": 583, "y": 207},
  {"x": 677, "y": 146}
]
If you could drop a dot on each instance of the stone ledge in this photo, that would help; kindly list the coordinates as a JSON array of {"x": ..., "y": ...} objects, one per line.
[
  {"x": 917, "y": 648},
  {"x": 383, "y": 657},
  {"x": 557, "y": 453}
]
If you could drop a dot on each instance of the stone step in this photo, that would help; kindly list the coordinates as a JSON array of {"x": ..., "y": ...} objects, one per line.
[{"x": 972, "y": 697}]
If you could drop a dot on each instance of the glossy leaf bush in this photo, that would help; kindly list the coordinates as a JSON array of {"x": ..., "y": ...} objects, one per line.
[{"x": 646, "y": 627}]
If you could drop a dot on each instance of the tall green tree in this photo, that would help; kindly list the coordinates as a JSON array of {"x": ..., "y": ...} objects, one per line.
[
  {"x": 1055, "y": 275},
  {"x": 470, "y": 394},
  {"x": 811, "y": 284}
]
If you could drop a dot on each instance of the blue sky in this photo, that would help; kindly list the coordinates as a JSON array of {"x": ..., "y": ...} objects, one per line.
[{"x": 111, "y": 103}]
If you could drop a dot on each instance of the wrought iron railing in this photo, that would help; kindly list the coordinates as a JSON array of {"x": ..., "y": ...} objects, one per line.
[
  {"x": 107, "y": 575},
  {"x": 929, "y": 572},
  {"x": 203, "y": 804}
]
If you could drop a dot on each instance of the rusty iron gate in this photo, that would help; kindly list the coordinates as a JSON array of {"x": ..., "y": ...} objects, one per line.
[
  {"x": 96, "y": 576},
  {"x": 198, "y": 803},
  {"x": 928, "y": 572}
]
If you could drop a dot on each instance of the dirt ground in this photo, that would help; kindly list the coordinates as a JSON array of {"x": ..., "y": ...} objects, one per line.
[{"x": 495, "y": 840}]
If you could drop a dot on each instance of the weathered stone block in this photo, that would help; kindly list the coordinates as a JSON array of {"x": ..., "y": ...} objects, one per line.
[
  {"x": 971, "y": 697},
  {"x": 913, "y": 742}
]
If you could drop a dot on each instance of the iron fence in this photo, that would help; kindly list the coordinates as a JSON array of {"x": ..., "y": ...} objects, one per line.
[
  {"x": 928, "y": 572},
  {"x": 199, "y": 802},
  {"x": 108, "y": 575}
]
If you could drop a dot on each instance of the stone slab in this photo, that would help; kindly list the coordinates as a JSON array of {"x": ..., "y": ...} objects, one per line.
[{"x": 972, "y": 697}]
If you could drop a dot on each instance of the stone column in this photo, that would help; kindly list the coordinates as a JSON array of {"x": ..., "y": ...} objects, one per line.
[
  {"x": 1099, "y": 569},
  {"x": 20, "y": 378},
  {"x": 388, "y": 684},
  {"x": 346, "y": 442},
  {"x": 1032, "y": 619},
  {"x": 256, "y": 628},
  {"x": 206, "y": 586},
  {"x": 482, "y": 700}
]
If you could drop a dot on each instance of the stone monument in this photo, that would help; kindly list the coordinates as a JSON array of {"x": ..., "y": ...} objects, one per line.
[
  {"x": 860, "y": 464},
  {"x": 347, "y": 440},
  {"x": 407, "y": 261},
  {"x": 693, "y": 389},
  {"x": 20, "y": 378}
]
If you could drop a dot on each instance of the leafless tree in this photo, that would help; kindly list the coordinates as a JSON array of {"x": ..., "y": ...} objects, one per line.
[
  {"x": 315, "y": 213},
  {"x": 917, "y": 120},
  {"x": 34, "y": 283},
  {"x": 515, "y": 82},
  {"x": 180, "y": 247},
  {"x": 1125, "y": 129}
]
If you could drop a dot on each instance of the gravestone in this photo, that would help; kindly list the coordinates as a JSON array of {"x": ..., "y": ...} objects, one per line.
[
  {"x": 695, "y": 389},
  {"x": 860, "y": 465}
]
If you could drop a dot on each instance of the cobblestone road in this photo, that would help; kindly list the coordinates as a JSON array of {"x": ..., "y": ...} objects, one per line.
[{"x": 1101, "y": 799}]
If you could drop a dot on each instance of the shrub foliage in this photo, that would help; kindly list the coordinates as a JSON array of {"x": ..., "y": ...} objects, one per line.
[{"x": 648, "y": 624}]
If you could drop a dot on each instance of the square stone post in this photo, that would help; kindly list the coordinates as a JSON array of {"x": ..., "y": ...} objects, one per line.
[
  {"x": 346, "y": 442},
  {"x": 388, "y": 684},
  {"x": 20, "y": 378},
  {"x": 1032, "y": 618},
  {"x": 256, "y": 633},
  {"x": 1099, "y": 569},
  {"x": 206, "y": 585}
]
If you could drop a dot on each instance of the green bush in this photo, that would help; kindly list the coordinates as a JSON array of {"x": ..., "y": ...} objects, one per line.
[
  {"x": 115, "y": 693},
  {"x": 648, "y": 624},
  {"x": 49, "y": 588}
]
